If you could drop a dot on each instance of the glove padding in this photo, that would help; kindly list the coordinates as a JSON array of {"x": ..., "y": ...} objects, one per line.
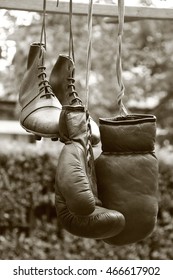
[
  {"x": 77, "y": 205},
  {"x": 127, "y": 172}
]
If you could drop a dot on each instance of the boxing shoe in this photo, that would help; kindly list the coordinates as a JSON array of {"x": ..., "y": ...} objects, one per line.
[
  {"x": 63, "y": 84},
  {"x": 127, "y": 174},
  {"x": 78, "y": 208},
  {"x": 40, "y": 109}
]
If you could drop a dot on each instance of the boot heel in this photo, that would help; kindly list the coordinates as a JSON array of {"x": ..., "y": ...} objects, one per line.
[
  {"x": 37, "y": 137},
  {"x": 54, "y": 139}
]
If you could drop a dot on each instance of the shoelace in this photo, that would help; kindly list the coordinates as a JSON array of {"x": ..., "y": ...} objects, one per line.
[
  {"x": 44, "y": 85},
  {"x": 73, "y": 91},
  {"x": 71, "y": 79}
]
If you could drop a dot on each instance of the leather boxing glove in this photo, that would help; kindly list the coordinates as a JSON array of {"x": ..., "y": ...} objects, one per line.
[
  {"x": 127, "y": 174},
  {"x": 78, "y": 208}
]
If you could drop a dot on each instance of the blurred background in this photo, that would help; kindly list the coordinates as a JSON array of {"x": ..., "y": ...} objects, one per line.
[{"x": 28, "y": 225}]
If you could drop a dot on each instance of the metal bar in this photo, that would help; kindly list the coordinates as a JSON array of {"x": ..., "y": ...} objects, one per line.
[{"x": 79, "y": 8}]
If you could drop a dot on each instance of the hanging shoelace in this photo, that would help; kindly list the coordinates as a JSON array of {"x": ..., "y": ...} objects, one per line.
[
  {"x": 71, "y": 81},
  {"x": 43, "y": 28},
  {"x": 89, "y": 50},
  {"x": 90, "y": 156},
  {"x": 121, "y": 9},
  {"x": 44, "y": 85},
  {"x": 71, "y": 42}
]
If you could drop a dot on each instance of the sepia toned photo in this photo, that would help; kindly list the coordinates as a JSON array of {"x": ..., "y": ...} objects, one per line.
[{"x": 86, "y": 131}]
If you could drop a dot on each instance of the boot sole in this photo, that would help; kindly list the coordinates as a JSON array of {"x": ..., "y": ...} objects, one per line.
[{"x": 38, "y": 136}]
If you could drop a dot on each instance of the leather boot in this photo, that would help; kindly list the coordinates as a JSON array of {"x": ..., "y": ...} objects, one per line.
[
  {"x": 40, "y": 109},
  {"x": 62, "y": 82}
]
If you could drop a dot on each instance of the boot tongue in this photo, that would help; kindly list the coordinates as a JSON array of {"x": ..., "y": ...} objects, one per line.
[{"x": 35, "y": 50}]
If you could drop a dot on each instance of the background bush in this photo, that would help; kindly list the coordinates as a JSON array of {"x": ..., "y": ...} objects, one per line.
[{"x": 28, "y": 223}]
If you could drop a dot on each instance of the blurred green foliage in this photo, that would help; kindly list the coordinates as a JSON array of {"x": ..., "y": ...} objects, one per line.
[{"x": 28, "y": 224}]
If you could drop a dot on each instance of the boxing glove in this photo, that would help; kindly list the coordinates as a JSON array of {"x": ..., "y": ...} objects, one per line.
[
  {"x": 78, "y": 208},
  {"x": 127, "y": 174}
]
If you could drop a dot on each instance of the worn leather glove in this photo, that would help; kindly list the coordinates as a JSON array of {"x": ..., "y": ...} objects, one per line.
[
  {"x": 127, "y": 174},
  {"x": 78, "y": 208}
]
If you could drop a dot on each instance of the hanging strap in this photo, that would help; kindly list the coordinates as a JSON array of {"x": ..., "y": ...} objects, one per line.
[
  {"x": 88, "y": 66},
  {"x": 122, "y": 108},
  {"x": 90, "y": 154},
  {"x": 43, "y": 29},
  {"x": 71, "y": 44},
  {"x": 89, "y": 49}
]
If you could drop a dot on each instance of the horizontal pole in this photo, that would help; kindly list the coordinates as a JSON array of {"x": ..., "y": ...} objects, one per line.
[{"x": 79, "y": 8}]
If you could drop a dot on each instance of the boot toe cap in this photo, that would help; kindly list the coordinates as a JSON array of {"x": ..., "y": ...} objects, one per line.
[{"x": 43, "y": 122}]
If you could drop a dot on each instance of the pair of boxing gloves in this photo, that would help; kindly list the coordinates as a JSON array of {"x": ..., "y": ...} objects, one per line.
[{"x": 113, "y": 198}]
